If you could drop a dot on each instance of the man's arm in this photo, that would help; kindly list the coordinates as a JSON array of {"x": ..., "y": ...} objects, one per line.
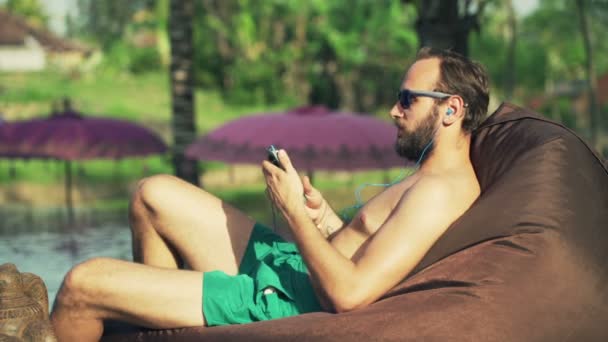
[
  {"x": 421, "y": 216},
  {"x": 396, "y": 248}
]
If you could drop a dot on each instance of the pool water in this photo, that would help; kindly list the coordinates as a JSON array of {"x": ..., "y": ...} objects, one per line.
[{"x": 52, "y": 252}]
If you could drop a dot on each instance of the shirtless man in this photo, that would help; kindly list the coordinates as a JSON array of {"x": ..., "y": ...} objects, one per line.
[{"x": 336, "y": 267}]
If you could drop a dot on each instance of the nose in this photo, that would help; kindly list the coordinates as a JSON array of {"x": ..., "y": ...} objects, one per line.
[{"x": 396, "y": 112}]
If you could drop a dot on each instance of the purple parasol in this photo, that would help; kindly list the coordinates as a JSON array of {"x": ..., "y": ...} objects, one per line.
[
  {"x": 70, "y": 136},
  {"x": 314, "y": 137}
]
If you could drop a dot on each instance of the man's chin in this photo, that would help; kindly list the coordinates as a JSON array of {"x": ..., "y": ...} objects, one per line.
[
  {"x": 405, "y": 155},
  {"x": 410, "y": 158}
]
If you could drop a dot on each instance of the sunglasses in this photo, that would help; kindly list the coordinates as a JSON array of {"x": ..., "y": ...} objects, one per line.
[{"x": 406, "y": 96}]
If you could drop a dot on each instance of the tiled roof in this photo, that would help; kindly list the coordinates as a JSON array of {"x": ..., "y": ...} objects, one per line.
[{"x": 12, "y": 31}]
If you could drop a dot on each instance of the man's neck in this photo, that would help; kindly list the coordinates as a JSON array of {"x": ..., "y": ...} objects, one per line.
[{"x": 448, "y": 155}]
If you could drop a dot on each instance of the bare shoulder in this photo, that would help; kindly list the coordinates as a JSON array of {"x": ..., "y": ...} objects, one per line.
[{"x": 450, "y": 193}]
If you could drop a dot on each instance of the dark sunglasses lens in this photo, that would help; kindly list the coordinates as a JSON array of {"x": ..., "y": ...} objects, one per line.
[{"x": 404, "y": 99}]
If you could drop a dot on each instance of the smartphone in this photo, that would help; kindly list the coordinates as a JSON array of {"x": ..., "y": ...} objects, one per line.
[{"x": 273, "y": 156}]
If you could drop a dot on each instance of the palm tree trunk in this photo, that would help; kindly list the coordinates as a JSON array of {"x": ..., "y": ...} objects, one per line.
[
  {"x": 594, "y": 112},
  {"x": 437, "y": 25},
  {"x": 182, "y": 83},
  {"x": 446, "y": 24},
  {"x": 510, "y": 67}
]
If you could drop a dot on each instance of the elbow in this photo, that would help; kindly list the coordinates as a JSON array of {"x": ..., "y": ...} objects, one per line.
[
  {"x": 347, "y": 301},
  {"x": 342, "y": 307}
]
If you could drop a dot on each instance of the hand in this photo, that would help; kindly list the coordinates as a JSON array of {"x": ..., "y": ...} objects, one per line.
[
  {"x": 316, "y": 207},
  {"x": 284, "y": 186}
]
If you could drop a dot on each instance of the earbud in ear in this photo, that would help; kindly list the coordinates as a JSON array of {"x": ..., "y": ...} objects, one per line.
[{"x": 449, "y": 112}]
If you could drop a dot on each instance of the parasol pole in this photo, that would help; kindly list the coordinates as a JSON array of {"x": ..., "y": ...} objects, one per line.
[
  {"x": 68, "y": 192},
  {"x": 12, "y": 170},
  {"x": 231, "y": 175}
]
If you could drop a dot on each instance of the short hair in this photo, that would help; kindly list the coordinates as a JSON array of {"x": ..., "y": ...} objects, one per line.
[{"x": 464, "y": 77}]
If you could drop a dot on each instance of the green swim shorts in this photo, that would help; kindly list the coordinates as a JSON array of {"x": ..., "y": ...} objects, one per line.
[{"x": 272, "y": 283}]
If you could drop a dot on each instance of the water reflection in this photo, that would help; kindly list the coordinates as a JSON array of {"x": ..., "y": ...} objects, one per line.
[{"x": 42, "y": 244}]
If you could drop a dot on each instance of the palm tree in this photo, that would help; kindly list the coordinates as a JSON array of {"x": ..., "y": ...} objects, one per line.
[
  {"x": 182, "y": 86},
  {"x": 510, "y": 69},
  {"x": 446, "y": 24},
  {"x": 594, "y": 110}
]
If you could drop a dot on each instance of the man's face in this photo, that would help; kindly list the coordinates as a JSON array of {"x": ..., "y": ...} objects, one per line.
[
  {"x": 412, "y": 143},
  {"x": 417, "y": 124}
]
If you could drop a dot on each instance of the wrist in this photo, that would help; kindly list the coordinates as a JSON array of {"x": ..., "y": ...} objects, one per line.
[
  {"x": 323, "y": 217},
  {"x": 321, "y": 220},
  {"x": 295, "y": 213}
]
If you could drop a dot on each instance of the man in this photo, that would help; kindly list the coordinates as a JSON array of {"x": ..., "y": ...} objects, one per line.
[{"x": 241, "y": 272}]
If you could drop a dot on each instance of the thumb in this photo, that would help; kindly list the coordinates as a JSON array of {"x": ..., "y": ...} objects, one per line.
[
  {"x": 313, "y": 196},
  {"x": 307, "y": 186}
]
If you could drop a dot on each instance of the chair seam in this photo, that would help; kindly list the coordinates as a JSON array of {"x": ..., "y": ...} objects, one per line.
[{"x": 593, "y": 153}]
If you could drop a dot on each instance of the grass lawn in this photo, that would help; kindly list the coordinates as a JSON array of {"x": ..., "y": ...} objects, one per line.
[{"x": 144, "y": 98}]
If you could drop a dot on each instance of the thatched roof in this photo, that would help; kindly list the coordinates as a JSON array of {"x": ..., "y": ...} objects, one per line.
[{"x": 14, "y": 30}]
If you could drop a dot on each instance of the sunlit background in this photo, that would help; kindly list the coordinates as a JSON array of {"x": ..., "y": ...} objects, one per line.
[{"x": 113, "y": 58}]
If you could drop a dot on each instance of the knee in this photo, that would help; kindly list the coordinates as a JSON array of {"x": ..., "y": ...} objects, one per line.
[
  {"x": 78, "y": 287},
  {"x": 150, "y": 193},
  {"x": 160, "y": 192}
]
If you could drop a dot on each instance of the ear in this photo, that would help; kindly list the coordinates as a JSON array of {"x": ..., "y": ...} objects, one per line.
[{"x": 456, "y": 106}]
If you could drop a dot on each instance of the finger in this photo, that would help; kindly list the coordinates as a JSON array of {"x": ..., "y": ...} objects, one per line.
[
  {"x": 312, "y": 192},
  {"x": 285, "y": 161},
  {"x": 269, "y": 168},
  {"x": 269, "y": 171},
  {"x": 313, "y": 196},
  {"x": 307, "y": 186},
  {"x": 264, "y": 169}
]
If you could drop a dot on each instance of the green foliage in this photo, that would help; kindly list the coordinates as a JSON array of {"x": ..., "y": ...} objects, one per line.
[
  {"x": 118, "y": 56},
  {"x": 116, "y": 26},
  {"x": 343, "y": 54},
  {"x": 264, "y": 52},
  {"x": 490, "y": 46},
  {"x": 560, "y": 110},
  {"x": 124, "y": 57},
  {"x": 31, "y": 10},
  {"x": 555, "y": 28},
  {"x": 144, "y": 60},
  {"x": 106, "y": 21}
]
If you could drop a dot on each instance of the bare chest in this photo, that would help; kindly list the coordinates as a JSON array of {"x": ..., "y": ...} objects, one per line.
[{"x": 377, "y": 210}]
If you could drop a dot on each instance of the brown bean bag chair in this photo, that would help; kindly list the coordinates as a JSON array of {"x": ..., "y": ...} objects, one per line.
[{"x": 527, "y": 262}]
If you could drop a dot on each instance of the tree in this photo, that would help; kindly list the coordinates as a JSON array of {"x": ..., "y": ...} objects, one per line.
[
  {"x": 510, "y": 68},
  {"x": 105, "y": 21},
  {"x": 31, "y": 10},
  {"x": 594, "y": 110},
  {"x": 341, "y": 54},
  {"x": 182, "y": 87},
  {"x": 551, "y": 31},
  {"x": 446, "y": 24}
]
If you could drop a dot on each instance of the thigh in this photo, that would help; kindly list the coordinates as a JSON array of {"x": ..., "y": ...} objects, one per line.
[
  {"x": 140, "y": 294},
  {"x": 208, "y": 233}
]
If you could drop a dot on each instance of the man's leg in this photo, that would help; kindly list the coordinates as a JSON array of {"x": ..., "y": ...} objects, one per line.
[
  {"x": 173, "y": 221},
  {"x": 104, "y": 288}
]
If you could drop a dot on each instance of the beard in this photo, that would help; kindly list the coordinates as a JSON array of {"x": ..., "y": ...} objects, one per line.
[{"x": 411, "y": 145}]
